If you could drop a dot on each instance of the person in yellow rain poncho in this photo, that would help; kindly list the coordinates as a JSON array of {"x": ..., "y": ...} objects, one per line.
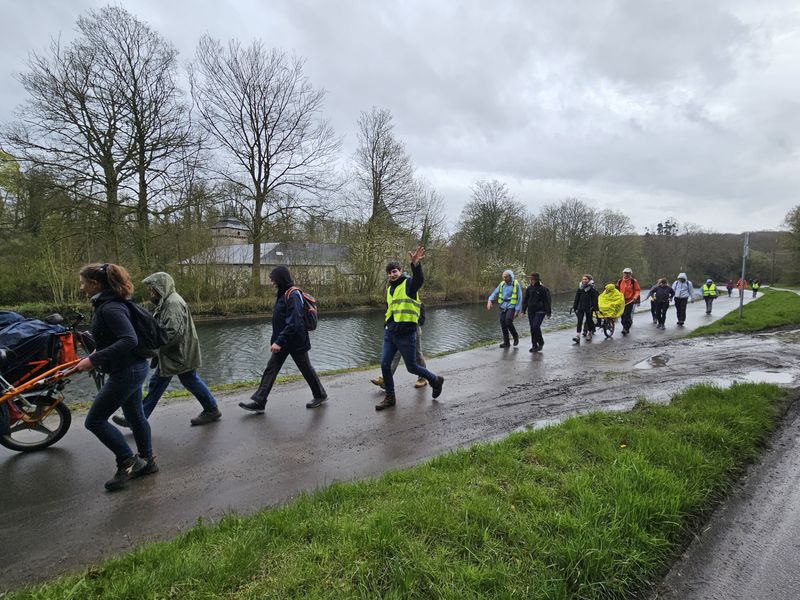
[{"x": 610, "y": 306}]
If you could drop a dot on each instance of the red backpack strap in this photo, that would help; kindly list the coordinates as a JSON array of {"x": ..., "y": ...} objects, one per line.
[{"x": 288, "y": 293}]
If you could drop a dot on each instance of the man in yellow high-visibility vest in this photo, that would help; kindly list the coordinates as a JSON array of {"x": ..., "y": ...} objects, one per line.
[{"x": 402, "y": 318}]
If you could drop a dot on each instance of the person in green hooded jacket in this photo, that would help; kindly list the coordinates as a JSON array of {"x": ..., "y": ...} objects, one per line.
[{"x": 179, "y": 356}]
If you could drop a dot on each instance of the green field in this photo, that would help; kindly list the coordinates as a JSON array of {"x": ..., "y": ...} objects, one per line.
[{"x": 773, "y": 309}]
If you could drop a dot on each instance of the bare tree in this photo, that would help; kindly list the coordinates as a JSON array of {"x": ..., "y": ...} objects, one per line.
[
  {"x": 264, "y": 115},
  {"x": 493, "y": 221},
  {"x": 141, "y": 65}
]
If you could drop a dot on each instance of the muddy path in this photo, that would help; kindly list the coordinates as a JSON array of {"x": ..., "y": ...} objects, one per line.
[{"x": 56, "y": 516}]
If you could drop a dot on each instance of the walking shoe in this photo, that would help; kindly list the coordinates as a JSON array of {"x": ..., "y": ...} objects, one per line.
[
  {"x": 206, "y": 417},
  {"x": 121, "y": 421},
  {"x": 516, "y": 341},
  {"x": 316, "y": 402},
  {"x": 625, "y": 332},
  {"x": 149, "y": 466},
  {"x": 378, "y": 381},
  {"x": 421, "y": 383},
  {"x": 387, "y": 402},
  {"x": 505, "y": 345},
  {"x": 534, "y": 348},
  {"x": 583, "y": 334},
  {"x": 124, "y": 473},
  {"x": 253, "y": 406},
  {"x": 588, "y": 336},
  {"x": 436, "y": 386},
  {"x": 576, "y": 339}
]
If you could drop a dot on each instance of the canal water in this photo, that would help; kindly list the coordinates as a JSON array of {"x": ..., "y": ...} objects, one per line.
[{"x": 238, "y": 350}]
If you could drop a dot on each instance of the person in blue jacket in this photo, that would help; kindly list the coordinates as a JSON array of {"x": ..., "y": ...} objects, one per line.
[
  {"x": 509, "y": 294},
  {"x": 289, "y": 338}
]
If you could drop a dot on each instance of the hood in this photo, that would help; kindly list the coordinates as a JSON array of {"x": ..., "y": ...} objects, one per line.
[
  {"x": 281, "y": 276},
  {"x": 682, "y": 276},
  {"x": 162, "y": 282},
  {"x": 510, "y": 273},
  {"x": 709, "y": 281},
  {"x": 610, "y": 287}
]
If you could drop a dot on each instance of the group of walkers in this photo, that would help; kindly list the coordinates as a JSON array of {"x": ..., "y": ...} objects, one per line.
[
  {"x": 615, "y": 301},
  {"x": 119, "y": 354},
  {"x": 120, "y": 357},
  {"x": 741, "y": 284}
]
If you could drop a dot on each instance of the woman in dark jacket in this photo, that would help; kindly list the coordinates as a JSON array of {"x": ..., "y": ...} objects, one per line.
[
  {"x": 662, "y": 293},
  {"x": 538, "y": 306},
  {"x": 110, "y": 287},
  {"x": 289, "y": 338},
  {"x": 584, "y": 306}
]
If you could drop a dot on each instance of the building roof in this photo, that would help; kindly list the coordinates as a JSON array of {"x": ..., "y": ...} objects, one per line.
[{"x": 229, "y": 223}]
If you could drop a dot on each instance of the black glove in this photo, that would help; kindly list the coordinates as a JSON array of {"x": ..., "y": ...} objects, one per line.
[{"x": 154, "y": 362}]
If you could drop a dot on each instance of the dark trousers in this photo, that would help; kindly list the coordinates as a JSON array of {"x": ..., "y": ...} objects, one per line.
[
  {"x": 661, "y": 311},
  {"x": 709, "y": 301},
  {"x": 680, "y": 308},
  {"x": 654, "y": 311},
  {"x": 274, "y": 365},
  {"x": 627, "y": 316},
  {"x": 536, "y": 328},
  {"x": 585, "y": 320},
  {"x": 121, "y": 389},
  {"x": 405, "y": 344},
  {"x": 507, "y": 324}
]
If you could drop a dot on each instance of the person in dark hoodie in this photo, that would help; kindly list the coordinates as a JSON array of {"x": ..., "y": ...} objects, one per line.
[
  {"x": 400, "y": 330},
  {"x": 538, "y": 306},
  {"x": 662, "y": 293},
  {"x": 289, "y": 338},
  {"x": 584, "y": 306},
  {"x": 179, "y": 356},
  {"x": 110, "y": 289}
]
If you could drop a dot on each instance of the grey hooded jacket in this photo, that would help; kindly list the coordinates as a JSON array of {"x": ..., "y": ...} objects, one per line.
[
  {"x": 683, "y": 289},
  {"x": 181, "y": 353}
]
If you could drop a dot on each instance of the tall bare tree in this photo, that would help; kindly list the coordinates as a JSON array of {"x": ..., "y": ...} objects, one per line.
[
  {"x": 105, "y": 113},
  {"x": 493, "y": 221},
  {"x": 265, "y": 117}
]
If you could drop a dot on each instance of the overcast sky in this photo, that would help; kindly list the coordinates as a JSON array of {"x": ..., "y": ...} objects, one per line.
[{"x": 670, "y": 108}]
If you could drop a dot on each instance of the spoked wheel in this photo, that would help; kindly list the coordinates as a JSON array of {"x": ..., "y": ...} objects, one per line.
[
  {"x": 36, "y": 431},
  {"x": 608, "y": 327}
]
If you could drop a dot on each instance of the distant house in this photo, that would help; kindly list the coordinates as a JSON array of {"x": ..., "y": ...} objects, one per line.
[{"x": 232, "y": 256}]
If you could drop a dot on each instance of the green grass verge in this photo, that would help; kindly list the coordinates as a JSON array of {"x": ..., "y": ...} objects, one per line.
[
  {"x": 596, "y": 507},
  {"x": 774, "y": 309}
]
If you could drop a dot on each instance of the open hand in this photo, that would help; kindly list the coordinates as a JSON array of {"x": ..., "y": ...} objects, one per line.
[{"x": 417, "y": 255}]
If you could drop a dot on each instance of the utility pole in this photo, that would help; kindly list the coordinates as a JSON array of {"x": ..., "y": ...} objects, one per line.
[{"x": 745, "y": 252}]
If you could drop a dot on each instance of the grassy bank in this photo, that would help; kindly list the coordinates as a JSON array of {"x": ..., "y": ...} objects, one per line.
[
  {"x": 596, "y": 507},
  {"x": 773, "y": 309}
]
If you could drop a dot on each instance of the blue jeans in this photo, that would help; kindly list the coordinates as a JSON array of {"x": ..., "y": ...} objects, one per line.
[
  {"x": 405, "y": 344},
  {"x": 122, "y": 389},
  {"x": 190, "y": 380}
]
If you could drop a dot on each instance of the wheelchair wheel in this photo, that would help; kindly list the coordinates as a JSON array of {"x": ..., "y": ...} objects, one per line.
[
  {"x": 608, "y": 327},
  {"x": 41, "y": 431}
]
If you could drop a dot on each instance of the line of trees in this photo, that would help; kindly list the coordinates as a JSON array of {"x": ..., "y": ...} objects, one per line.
[{"x": 111, "y": 159}]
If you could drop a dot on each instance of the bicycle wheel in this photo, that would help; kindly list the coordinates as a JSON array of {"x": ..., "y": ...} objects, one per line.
[
  {"x": 608, "y": 327},
  {"x": 42, "y": 431}
]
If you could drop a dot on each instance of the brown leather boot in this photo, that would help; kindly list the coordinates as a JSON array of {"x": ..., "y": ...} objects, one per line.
[{"x": 387, "y": 402}]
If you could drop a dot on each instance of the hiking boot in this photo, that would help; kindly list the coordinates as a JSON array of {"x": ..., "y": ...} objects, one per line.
[
  {"x": 206, "y": 417},
  {"x": 625, "y": 332},
  {"x": 505, "y": 345},
  {"x": 588, "y": 336},
  {"x": 436, "y": 386},
  {"x": 516, "y": 341},
  {"x": 316, "y": 402},
  {"x": 387, "y": 402},
  {"x": 149, "y": 466},
  {"x": 253, "y": 406},
  {"x": 420, "y": 383},
  {"x": 378, "y": 381},
  {"x": 121, "y": 421},
  {"x": 124, "y": 472},
  {"x": 534, "y": 348},
  {"x": 576, "y": 339}
]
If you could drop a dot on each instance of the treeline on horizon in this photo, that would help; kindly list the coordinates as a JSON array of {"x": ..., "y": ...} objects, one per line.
[{"x": 110, "y": 159}]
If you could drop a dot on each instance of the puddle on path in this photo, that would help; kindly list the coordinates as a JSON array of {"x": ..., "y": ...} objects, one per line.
[{"x": 659, "y": 360}]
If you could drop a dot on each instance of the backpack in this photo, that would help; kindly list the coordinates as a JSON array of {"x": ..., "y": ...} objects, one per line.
[
  {"x": 151, "y": 335},
  {"x": 310, "y": 317}
]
